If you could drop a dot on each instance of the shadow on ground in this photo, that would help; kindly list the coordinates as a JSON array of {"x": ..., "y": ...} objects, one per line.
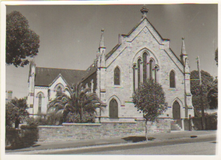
[{"x": 137, "y": 138}]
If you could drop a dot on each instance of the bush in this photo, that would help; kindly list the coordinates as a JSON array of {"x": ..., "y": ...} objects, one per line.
[
  {"x": 211, "y": 122},
  {"x": 20, "y": 138},
  {"x": 75, "y": 117},
  {"x": 88, "y": 117}
]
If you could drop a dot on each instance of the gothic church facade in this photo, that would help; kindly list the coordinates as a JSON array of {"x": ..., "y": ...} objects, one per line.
[{"x": 114, "y": 76}]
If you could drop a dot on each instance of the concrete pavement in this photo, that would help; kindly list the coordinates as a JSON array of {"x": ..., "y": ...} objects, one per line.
[{"x": 126, "y": 142}]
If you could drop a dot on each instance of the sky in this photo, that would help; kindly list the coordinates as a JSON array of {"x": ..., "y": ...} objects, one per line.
[{"x": 70, "y": 34}]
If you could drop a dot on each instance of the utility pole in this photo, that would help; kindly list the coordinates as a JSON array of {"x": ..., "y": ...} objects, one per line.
[{"x": 201, "y": 95}]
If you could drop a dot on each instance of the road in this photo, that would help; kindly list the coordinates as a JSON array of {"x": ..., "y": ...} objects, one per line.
[
  {"x": 202, "y": 144},
  {"x": 198, "y": 148}
]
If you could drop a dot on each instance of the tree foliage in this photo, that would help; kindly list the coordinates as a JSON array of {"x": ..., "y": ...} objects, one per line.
[
  {"x": 16, "y": 108},
  {"x": 212, "y": 94},
  {"x": 216, "y": 56},
  {"x": 207, "y": 80},
  {"x": 21, "y": 42},
  {"x": 149, "y": 98},
  {"x": 79, "y": 106}
]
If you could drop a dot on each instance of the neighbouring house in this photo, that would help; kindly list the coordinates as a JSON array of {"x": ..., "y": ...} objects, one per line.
[{"x": 115, "y": 75}]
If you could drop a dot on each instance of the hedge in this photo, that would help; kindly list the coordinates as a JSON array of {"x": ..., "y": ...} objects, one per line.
[
  {"x": 21, "y": 138},
  {"x": 210, "y": 120}
]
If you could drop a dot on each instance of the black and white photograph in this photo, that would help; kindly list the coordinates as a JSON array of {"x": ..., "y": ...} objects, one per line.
[{"x": 109, "y": 79}]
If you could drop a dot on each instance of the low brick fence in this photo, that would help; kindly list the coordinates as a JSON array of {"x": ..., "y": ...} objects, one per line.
[{"x": 87, "y": 131}]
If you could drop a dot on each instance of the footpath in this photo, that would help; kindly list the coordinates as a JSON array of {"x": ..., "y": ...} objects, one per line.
[{"x": 139, "y": 140}]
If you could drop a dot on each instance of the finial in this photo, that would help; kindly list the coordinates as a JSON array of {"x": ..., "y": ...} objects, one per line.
[
  {"x": 144, "y": 10},
  {"x": 102, "y": 39},
  {"x": 183, "y": 49}
]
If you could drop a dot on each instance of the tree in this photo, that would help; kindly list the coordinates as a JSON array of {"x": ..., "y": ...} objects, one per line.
[
  {"x": 207, "y": 80},
  {"x": 216, "y": 56},
  {"x": 16, "y": 110},
  {"x": 149, "y": 98},
  {"x": 78, "y": 104},
  {"x": 212, "y": 94},
  {"x": 21, "y": 42},
  {"x": 56, "y": 108}
]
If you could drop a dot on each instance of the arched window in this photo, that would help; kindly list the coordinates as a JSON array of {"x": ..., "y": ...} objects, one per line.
[
  {"x": 49, "y": 94},
  {"x": 144, "y": 67},
  {"x": 138, "y": 68},
  {"x": 117, "y": 76},
  {"x": 172, "y": 79},
  {"x": 59, "y": 91},
  {"x": 113, "y": 109},
  {"x": 39, "y": 103},
  {"x": 134, "y": 76},
  {"x": 151, "y": 67}
]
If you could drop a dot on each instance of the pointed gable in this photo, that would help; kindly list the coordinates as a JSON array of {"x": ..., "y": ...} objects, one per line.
[{"x": 146, "y": 26}]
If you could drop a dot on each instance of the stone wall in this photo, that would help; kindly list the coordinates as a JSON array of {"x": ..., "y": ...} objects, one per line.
[{"x": 87, "y": 131}]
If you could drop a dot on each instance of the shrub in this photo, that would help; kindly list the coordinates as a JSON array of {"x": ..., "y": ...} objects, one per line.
[
  {"x": 210, "y": 120},
  {"x": 20, "y": 138},
  {"x": 88, "y": 117},
  {"x": 73, "y": 117}
]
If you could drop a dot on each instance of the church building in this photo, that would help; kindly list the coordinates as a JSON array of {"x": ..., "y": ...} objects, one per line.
[{"x": 114, "y": 76}]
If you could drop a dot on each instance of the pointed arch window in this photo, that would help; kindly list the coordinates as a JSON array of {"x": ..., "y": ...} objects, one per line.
[
  {"x": 59, "y": 90},
  {"x": 117, "y": 76},
  {"x": 172, "y": 79},
  {"x": 40, "y": 97},
  {"x": 138, "y": 68},
  {"x": 151, "y": 67},
  {"x": 144, "y": 67},
  {"x": 134, "y": 76}
]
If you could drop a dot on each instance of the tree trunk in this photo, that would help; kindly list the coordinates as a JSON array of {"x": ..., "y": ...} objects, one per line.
[{"x": 146, "y": 130}]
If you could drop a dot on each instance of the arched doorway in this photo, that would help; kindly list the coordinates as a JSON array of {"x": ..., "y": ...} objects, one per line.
[
  {"x": 176, "y": 110},
  {"x": 113, "y": 109}
]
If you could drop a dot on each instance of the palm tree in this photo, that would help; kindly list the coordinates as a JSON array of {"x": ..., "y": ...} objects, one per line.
[
  {"x": 83, "y": 101},
  {"x": 76, "y": 102}
]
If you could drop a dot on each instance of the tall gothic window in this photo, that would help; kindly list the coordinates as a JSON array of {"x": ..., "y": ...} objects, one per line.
[
  {"x": 59, "y": 91},
  {"x": 144, "y": 67},
  {"x": 151, "y": 63},
  {"x": 172, "y": 80},
  {"x": 138, "y": 68},
  {"x": 49, "y": 94},
  {"x": 117, "y": 76},
  {"x": 39, "y": 103},
  {"x": 134, "y": 67}
]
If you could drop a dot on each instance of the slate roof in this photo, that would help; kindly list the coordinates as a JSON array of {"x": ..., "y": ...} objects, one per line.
[
  {"x": 90, "y": 71},
  {"x": 45, "y": 76}
]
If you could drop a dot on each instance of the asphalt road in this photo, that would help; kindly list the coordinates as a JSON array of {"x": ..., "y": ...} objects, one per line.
[
  {"x": 201, "y": 145},
  {"x": 197, "y": 148}
]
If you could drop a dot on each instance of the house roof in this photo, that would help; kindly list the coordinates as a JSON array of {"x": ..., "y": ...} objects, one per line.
[{"x": 45, "y": 76}]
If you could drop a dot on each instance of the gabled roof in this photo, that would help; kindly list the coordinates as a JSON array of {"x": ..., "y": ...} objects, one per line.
[
  {"x": 131, "y": 31},
  {"x": 45, "y": 76},
  {"x": 90, "y": 71}
]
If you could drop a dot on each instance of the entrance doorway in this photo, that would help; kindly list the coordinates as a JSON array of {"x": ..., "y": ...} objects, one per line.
[
  {"x": 113, "y": 109},
  {"x": 176, "y": 113}
]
